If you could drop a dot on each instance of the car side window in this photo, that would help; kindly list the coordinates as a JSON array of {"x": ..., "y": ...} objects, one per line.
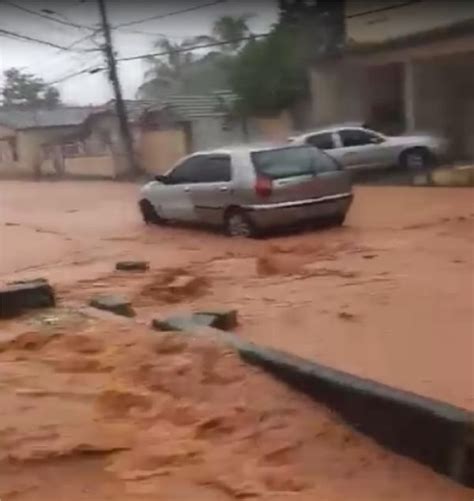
[
  {"x": 323, "y": 141},
  {"x": 323, "y": 163},
  {"x": 187, "y": 171},
  {"x": 358, "y": 137},
  {"x": 215, "y": 169}
]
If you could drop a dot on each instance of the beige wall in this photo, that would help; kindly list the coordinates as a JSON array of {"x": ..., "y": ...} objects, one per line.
[
  {"x": 273, "y": 129},
  {"x": 6, "y": 159},
  {"x": 6, "y": 131},
  {"x": 102, "y": 166},
  {"x": 30, "y": 143},
  {"x": 401, "y": 21},
  {"x": 160, "y": 150},
  {"x": 338, "y": 92}
]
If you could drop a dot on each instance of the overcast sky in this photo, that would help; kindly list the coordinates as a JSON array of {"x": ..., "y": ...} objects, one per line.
[{"x": 52, "y": 64}]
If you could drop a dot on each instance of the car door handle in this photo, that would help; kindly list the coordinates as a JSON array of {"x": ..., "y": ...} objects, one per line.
[
  {"x": 223, "y": 188},
  {"x": 187, "y": 189}
]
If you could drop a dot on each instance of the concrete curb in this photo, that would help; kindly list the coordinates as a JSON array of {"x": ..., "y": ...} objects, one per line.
[
  {"x": 18, "y": 297},
  {"x": 433, "y": 433}
]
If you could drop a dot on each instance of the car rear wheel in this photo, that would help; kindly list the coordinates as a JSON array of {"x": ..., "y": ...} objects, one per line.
[
  {"x": 338, "y": 219},
  {"x": 415, "y": 159},
  {"x": 149, "y": 213},
  {"x": 238, "y": 224}
]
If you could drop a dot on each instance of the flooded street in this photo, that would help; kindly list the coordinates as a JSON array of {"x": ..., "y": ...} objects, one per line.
[
  {"x": 99, "y": 403},
  {"x": 383, "y": 297}
]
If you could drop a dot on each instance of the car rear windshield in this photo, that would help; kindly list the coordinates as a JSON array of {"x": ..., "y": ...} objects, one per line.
[{"x": 291, "y": 162}]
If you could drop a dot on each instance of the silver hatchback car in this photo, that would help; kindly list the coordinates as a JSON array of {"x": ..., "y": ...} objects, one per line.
[{"x": 247, "y": 189}]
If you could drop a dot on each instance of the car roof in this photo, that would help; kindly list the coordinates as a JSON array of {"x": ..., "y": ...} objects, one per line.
[
  {"x": 246, "y": 148},
  {"x": 332, "y": 128}
]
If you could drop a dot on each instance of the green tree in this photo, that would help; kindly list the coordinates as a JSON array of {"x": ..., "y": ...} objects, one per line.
[
  {"x": 270, "y": 75},
  {"x": 230, "y": 29},
  {"x": 166, "y": 73},
  {"x": 22, "y": 90},
  {"x": 180, "y": 72}
]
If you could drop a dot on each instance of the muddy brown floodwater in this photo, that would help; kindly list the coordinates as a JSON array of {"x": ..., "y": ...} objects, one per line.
[{"x": 96, "y": 410}]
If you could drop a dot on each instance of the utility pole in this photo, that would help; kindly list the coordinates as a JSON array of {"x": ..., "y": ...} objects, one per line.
[{"x": 120, "y": 108}]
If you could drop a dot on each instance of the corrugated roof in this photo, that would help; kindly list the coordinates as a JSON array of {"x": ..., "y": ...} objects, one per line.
[
  {"x": 28, "y": 119},
  {"x": 197, "y": 106},
  {"x": 187, "y": 107}
]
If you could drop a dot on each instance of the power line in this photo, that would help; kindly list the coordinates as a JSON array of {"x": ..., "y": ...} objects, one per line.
[
  {"x": 164, "y": 53},
  {"x": 84, "y": 38},
  {"x": 91, "y": 70},
  {"x": 27, "y": 38},
  {"x": 45, "y": 16},
  {"x": 383, "y": 9},
  {"x": 150, "y": 34},
  {"x": 194, "y": 47},
  {"x": 174, "y": 13},
  {"x": 60, "y": 71}
]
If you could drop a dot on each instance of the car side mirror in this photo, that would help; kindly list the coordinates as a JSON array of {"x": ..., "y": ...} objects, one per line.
[
  {"x": 376, "y": 140},
  {"x": 161, "y": 178}
]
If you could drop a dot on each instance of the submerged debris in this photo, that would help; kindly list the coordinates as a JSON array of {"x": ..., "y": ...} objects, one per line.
[
  {"x": 113, "y": 303},
  {"x": 17, "y": 297},
  {"x": 132, "y": 266}
]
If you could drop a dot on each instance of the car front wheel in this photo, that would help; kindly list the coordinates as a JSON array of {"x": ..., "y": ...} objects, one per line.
[
  {"x": 238, "y": 224},
  {"x": 416, "y": 158},
  {"x": 149, "y": 213}
]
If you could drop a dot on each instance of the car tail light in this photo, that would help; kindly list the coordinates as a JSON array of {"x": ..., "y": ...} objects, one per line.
[{"x": 263, "y": 186}]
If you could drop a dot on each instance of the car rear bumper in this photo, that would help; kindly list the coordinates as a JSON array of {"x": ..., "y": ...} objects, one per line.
[{"x": 286, "y": 213}]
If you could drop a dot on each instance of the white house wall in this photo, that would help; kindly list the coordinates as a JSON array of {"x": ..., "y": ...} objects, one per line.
[{"x": 208, "y": 132}]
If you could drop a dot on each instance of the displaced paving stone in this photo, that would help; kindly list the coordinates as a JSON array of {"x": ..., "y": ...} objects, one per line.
[
  {"x": 344, "y": 315},
  {"x": 132, "y": 266},
  {"x": 182, "y": 323},
  {"x": 218, "y": 319},
  {"x": 184, "y": 283},
  {"x": 224, "y": 320},
  {"x": 18, "y": 297},
  {"x": 114, "y": 304}
]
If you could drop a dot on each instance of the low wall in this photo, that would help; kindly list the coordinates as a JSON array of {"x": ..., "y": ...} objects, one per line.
[
  {"x": 160, "y": 150},
  {"x": 96, "y": 166}
]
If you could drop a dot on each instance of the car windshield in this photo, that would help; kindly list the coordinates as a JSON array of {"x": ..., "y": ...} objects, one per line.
[{"x": 285, "y": 162}]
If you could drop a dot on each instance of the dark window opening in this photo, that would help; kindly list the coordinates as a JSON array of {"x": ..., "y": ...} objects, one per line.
[
  {"x": 358, "y": 137},
  {"x": 292, "y": 162},
  {"x": 322, "y": 141}
]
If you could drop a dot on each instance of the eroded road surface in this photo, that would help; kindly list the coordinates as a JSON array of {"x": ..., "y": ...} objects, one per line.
[{"x": 389, "y": 297}]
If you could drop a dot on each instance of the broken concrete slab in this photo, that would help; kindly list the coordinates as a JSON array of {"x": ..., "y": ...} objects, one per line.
[
  {"x": 15, "y": 298},
  {"x": 224, "y": 320},
  {"x": 184, "y": 283},
  {"x": 182, "y": 323},
  {"x": 132, "y": 266},
  {"x": 113, "y": 303}
]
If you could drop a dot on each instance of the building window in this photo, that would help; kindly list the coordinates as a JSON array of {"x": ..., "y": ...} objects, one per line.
[
  {"x": 13, "y": 144},
  {"x": 73, "y": 149}
]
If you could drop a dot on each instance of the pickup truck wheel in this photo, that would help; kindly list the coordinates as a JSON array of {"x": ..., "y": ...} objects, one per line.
[
  {"x": 416, "y": 159},
  {"x": 238, "y": 224},
  {"x": 148, "y": 212}
]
